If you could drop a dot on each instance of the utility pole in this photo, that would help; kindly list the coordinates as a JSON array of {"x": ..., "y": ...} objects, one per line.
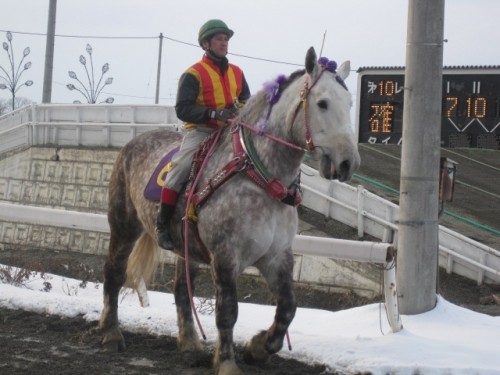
[
  {"x": 157, "y": 97},
  {"x": 418, "y": 241},
  {"x": 49, "y": 53}
]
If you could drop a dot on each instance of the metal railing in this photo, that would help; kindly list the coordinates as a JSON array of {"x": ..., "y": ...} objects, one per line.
[{"x": 114, "y": 126}]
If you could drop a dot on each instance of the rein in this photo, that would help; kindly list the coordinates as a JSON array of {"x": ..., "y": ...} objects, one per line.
[
  {"x": 267, "y": 135},
  {"x": 304, "y": 95},
  {"x": 241, "y": 163},
  {"x": 186, "y": 235}
]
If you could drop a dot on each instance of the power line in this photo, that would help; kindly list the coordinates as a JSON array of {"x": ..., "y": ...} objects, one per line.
[
  {"x": 151, "y": 37},
  {"x": 82, "y": 36}
]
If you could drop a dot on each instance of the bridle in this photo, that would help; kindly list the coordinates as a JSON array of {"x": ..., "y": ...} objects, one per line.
[
  {"x": 304, "y": 95},
  {"x": 303, "y": 103}
]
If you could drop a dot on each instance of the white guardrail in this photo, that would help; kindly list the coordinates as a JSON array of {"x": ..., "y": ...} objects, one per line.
[
  {"x": 114, "y": 125},
  {"x": 81, "y": 124},
  {"x": 362, "y": 251}
]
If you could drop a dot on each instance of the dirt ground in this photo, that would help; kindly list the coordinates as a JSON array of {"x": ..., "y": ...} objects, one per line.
[{"x": 34, "y": 343}]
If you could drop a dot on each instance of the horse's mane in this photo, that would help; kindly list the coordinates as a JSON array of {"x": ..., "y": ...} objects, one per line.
[
  {"x": 291, "y": 78},
  {"x": 257, "y": 105}
]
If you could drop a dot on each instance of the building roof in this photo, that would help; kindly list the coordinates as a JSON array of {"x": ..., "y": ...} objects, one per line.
[{"x": 446, "y": 67}]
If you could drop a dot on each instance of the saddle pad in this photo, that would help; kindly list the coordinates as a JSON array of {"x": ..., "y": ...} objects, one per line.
[{"x": 152, "y": 191}]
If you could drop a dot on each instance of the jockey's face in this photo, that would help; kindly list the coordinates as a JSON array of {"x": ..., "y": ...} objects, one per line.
[{"x": 218, "y": 44}]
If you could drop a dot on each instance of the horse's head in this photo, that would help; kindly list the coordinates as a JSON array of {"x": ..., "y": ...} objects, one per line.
[{"x": 326, "y": 117}]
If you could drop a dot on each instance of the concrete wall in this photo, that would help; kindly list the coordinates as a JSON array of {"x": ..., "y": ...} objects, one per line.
[
  {"x": 70, "y": 179},
  {"x": 77, "y": 178}
]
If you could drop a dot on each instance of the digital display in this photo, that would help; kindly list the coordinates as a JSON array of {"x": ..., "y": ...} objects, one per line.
[{"x": 470, "y": 109}]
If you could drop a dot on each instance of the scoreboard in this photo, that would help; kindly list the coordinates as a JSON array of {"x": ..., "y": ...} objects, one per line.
[{"x": 470, "y": 115}]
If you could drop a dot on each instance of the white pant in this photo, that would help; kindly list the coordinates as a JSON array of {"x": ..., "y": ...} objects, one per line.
[{"x": 181, "y": 162}]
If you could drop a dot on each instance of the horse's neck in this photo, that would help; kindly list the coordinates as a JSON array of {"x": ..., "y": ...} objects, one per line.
[{"x": 280, "y": 160}]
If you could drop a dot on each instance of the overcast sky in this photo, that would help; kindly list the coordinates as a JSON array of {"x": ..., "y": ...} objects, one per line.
[{"x": 367, "y": 32}]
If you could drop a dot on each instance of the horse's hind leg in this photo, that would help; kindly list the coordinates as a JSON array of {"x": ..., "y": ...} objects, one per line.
[
  {"x": 280, "y": 282},
  {"x": 120, "y": 246},
  {"x": 188, "y": 340}
]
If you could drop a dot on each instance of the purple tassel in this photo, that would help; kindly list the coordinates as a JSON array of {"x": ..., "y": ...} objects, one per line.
[
  {"x": 323, "y": 61},
  {"x": 271, "y": 88},
  {"x": 261, "y": 126},
  {"x": 329, "y": 65},
  {"x": 272, "y": 92}
]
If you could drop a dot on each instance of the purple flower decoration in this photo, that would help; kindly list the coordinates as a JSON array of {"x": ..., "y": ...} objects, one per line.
[
  {"x": 323, "y": 61},
  {"x": 329, "y": 65},
  {"x": 272, "y": 88},
  {"x": 273, "y": 94},
  {"x": 261, "y": 126}
]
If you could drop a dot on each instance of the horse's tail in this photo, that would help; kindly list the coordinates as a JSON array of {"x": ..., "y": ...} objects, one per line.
[{"x": 143, "y": 261}]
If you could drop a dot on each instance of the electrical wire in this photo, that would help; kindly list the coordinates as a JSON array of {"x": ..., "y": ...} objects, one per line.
[{"x": 149, "y": 37}]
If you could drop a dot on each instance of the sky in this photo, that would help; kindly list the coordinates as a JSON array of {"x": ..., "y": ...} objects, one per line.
[
  {"x": 125, "y": 34},
  {"x": 448, "y": 340}
]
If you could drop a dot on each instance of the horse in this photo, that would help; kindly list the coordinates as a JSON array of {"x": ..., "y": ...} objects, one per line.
[{"x": 244, "y": 222}]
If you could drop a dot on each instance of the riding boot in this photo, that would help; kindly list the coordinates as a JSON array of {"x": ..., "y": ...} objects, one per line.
[
  {"x": 162, "y": 226},
  {"x": 167, "y": 208}
]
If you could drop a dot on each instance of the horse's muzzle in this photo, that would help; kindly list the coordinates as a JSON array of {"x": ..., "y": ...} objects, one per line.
[{"x": 344, "y": 171}]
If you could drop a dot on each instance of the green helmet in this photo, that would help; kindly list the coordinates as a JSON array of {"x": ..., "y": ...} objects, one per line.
[{"x": 213, "y": 27}]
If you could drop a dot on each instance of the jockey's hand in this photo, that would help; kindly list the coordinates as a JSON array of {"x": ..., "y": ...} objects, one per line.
[{"x": 221, "y": 114}]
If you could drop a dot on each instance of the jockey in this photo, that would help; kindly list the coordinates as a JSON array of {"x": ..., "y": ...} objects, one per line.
[{"x": 207, "y": 97}]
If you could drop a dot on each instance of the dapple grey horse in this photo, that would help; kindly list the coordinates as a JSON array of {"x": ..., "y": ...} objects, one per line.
[{"x": 249, "y": 220}]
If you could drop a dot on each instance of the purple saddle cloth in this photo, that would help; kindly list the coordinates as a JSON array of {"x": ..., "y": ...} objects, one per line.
[{"x": 153, "y": 188}]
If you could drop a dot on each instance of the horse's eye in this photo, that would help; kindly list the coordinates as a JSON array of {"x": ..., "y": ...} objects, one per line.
[{"x": 323, "y": 104}]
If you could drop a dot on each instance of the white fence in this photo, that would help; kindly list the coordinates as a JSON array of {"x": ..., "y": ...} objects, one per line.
[
  {"x": 364, "y": 251},
  {"x": 81, "y": 125},
  {"x": 114, "y": 125},
  {"x": 378, "y": 217}
]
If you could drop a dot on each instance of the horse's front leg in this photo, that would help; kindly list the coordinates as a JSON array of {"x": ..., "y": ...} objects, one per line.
[
  {"x": 280, "y": 281},
  {"x": 188, "y": 340},
  {"x": 226, "y": 314}
]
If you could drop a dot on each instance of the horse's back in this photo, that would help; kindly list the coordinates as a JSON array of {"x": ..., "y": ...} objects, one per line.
[{"x": 133, "y": 169}]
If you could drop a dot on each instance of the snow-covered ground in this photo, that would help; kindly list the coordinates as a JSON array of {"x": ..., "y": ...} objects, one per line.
[{"x": 449, "y": 340}]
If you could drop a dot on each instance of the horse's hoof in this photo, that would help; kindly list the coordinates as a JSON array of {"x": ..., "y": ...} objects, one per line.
[
  {"x": 255, "y": 350},
  {"x": 228, "y": 368},
  {"x": 113, "y": 346},
  {"x": 190, "y": 345}
]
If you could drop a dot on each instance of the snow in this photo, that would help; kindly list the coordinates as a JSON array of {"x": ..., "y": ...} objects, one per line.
[{"x": 448, "y": 340}]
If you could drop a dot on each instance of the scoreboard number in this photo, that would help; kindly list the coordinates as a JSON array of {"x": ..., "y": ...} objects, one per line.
[{"x": 470, "y": 115}]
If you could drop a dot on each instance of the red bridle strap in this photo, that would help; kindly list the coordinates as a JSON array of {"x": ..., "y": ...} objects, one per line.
[{"x": 304, "y": 95}]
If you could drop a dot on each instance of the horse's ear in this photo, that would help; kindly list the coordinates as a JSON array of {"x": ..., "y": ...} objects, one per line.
[
  {"x": 310, "y": 60},
  {"x": 344, "y": 70}
]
